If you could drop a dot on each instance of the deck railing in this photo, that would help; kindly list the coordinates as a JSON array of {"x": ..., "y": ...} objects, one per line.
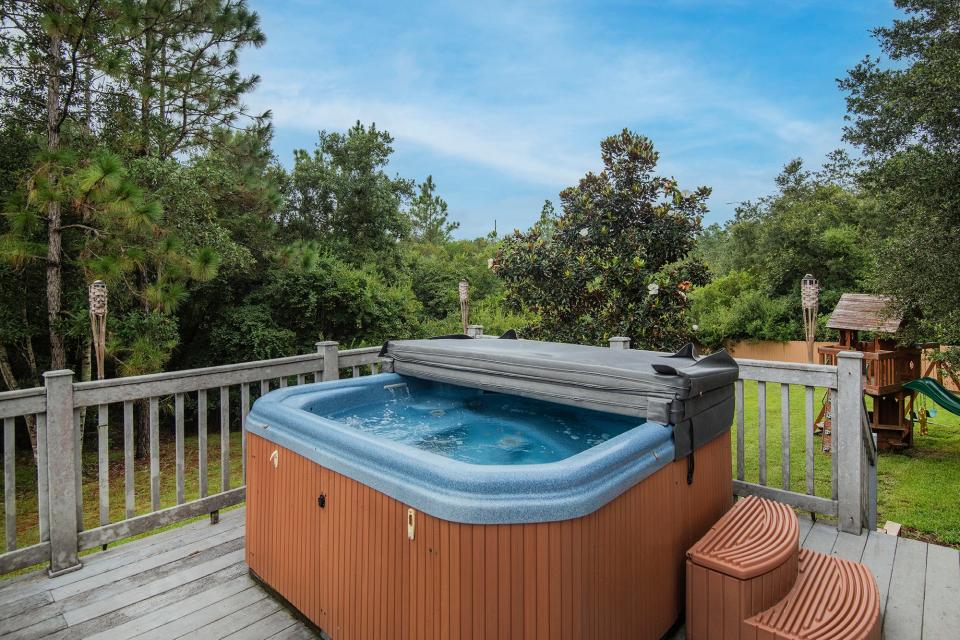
[
  {"x": 229, "y": 390},
  {"x": 852, "y": 494},
  {"x": 57, "y": 408}
]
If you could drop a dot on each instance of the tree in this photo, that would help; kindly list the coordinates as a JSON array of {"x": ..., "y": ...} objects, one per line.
[
  {"x": 903, "y": 113},
  {"x": 51, "y": 41},
  {"x": 116, "y": 234},
  {"x": 812, "y": 224},
  {"x": 179, "y": 82},
  {"x": 616, "y": 260},
  {"x": 341, "y": 194},
  {"x": 428, "y": 216}
]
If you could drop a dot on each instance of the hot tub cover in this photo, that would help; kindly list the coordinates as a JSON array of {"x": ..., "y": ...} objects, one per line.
[{"x": 693, "y": 394}]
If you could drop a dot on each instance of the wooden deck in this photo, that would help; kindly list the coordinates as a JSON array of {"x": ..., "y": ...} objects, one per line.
[{"x": 192, "y": 582}]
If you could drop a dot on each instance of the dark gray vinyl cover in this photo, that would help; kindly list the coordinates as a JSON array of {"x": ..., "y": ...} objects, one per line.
[{"x": 693, "y": 394}]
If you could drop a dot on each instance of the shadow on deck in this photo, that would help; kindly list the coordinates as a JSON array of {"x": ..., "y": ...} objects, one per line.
[{"x": 192, "y": 582}]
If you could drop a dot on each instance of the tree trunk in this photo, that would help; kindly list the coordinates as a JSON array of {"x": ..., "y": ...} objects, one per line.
[
  {"x": 142, "y": 432},
  {"x": 145, "y": 89},
  {"x": 85, "y": 370},
  {"x": 6, "y": 371},
  {"x": 58, "y": 354}
]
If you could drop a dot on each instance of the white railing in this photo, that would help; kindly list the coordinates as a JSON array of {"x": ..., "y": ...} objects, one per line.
[
  {"x": 852, "y": 494},
  {"x": 57, "y": 408}
]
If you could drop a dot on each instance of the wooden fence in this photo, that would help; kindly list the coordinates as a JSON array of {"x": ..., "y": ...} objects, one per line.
[{"x": 58, "y": 405}]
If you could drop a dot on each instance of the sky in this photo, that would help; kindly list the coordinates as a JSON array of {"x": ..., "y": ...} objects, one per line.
[{"x": 505, "y": 103}]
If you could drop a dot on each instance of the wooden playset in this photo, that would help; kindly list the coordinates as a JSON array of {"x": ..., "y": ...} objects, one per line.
[{"x": 887, "y": 366}]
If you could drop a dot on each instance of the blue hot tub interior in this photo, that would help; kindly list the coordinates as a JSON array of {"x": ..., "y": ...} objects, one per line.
[
  {"x": 460, "y": 454},
  {"x": 472, "y": 425}
]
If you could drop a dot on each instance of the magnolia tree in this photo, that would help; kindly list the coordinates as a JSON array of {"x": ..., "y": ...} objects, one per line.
[{"x": 616, "y": 260}]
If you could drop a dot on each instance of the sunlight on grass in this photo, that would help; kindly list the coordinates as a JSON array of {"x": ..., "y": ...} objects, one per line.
[{"x": 916, "y": 488}]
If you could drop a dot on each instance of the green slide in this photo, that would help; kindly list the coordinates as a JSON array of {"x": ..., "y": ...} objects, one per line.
[{"x": 936, "y": 392}]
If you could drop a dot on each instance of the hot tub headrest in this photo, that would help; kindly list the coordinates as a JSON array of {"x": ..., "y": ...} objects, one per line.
[{"x": 679, "y": 389}]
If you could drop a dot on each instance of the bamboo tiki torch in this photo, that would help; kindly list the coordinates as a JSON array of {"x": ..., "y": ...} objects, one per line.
[
  {"x": 98, "y": 321},
  {"x": 809, "y": 299},
  {"x": 464, "y": 305}
]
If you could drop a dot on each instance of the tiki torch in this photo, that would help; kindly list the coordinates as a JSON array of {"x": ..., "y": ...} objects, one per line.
[
  {"x": 809, "y": 299},
  {"x": 98, "y": 321},
  {"x": 464, "y": 304}
]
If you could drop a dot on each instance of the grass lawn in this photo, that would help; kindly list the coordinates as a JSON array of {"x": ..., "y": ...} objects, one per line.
[{"x": 919, "y": 488}]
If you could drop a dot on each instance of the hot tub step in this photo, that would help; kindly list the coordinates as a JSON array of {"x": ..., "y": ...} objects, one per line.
[
  {"x": 746, "y": 563},
  {"x": 833, "y": 599}
]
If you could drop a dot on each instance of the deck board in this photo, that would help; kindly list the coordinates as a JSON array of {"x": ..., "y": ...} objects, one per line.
[
  {"x": 821, "y": 537},
  {"x": 941, "y": 603},
  {"x": 904, "y": 616},
  {"x": 878, "y": 554},
  {"x": 191, "y": 582}
]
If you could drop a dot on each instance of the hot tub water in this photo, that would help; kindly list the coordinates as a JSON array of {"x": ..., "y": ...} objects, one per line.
[{"x": 481, "y": 427}]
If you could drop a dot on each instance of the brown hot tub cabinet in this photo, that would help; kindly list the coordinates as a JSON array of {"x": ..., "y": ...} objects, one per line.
[
  {"x": 362, "y": 549},
  {"x": 351, "y": 569}
]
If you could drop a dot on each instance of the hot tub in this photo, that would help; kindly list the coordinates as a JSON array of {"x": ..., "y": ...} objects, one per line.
[{"x": 451, "y": 499}]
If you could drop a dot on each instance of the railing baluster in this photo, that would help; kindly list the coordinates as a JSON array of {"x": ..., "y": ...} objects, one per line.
[
  {"x": 103, "y": 462},
  {"x": 283, "y": 382},
  {"x": 178, "y": 427},
  {"x": 264, "y": 387},
  {"x": 762, "y": 430},
  {"x": 355, "y": 372},
  {"x": 785, "y": 436},
  {"x": 808, "y": 437},
  {"x": 301, "y": 379},
  {"x": 224, "y": 438},
  {"x": 834, "y": 414},
  {"x": 740, "y": 430},
  {"x": 154, "y": 453},
  {"x": 202, "y": 440},
  {"x": 78, "y": 465},
  {"x": 43, "y": 481},
  {"x": 244, "y": 410},
  {"x": 9, "y": 484},
  {"x": 129, "y": 480}
]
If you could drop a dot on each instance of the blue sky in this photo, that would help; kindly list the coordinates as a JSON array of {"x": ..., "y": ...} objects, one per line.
[{"x": 505, "y": 103}]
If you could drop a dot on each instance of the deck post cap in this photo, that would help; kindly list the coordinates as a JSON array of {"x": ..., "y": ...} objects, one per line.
[{"x": 57, "y": 373}]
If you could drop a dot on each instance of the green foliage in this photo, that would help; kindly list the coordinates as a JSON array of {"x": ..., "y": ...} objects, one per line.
[
  {"x": 813, "y": 224},
  {"x": 437, "y": 269},
  {"x": 735, "y": 306},
  {"x": 342, "y": 195},
  {"x": 428, "y": 216},
  {"x": 141, "y": 342},
  {"x": 615, "y": 261},
  {"x": 492, "y": 312},
  {"x": 249, "y": 332},
  {"x": 904, "y": 118}
]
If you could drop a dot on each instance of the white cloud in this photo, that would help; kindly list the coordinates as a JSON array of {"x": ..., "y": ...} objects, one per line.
[{"x": 529, "y": 93}]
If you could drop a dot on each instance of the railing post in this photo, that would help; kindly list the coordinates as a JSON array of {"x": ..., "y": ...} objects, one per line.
[
  {"x": 331, "y": 359},
  {"x": 61, "y": 472},
  {"x": 852, "y": 473},
  {"x": 475, "y": 330},
  {"x": 619, "y": 342}
]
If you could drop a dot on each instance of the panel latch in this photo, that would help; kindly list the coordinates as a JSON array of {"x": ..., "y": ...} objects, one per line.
[{"x": 411, "y": 523}]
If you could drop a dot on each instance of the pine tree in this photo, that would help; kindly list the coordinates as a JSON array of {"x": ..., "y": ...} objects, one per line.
[{"x": 428, "y": 216}]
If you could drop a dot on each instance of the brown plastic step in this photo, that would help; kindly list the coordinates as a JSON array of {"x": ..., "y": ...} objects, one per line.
[
  {"x": 833, "y": 599},
  {"x": 746, "y": 562}
]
